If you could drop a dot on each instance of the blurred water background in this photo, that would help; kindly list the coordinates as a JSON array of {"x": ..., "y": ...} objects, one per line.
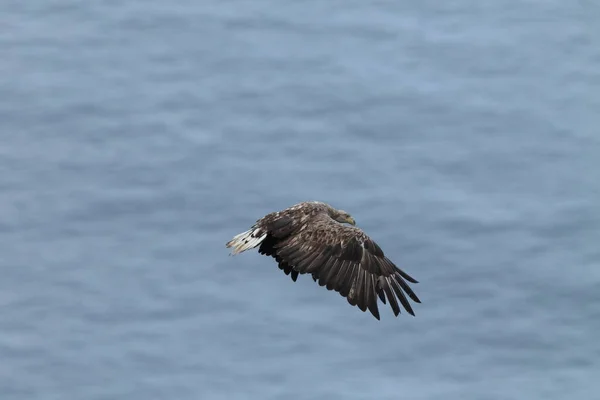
[{"x": 138, "y": 137}]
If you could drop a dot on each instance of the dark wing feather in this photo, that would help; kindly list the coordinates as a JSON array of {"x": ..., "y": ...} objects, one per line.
[
  {"x": 267, "y": 249},
  {"x": 344, "y": 259},
  {"x": 280, "y": 226}
]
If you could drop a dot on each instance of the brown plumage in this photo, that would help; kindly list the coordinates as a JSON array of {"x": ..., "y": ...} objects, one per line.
[{"x": 311, "y": 238}]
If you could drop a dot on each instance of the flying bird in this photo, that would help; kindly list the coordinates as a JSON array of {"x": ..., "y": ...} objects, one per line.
[{"x": 312, "y": 238}]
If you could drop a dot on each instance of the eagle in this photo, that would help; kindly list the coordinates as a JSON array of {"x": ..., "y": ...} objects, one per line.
[{"x": 312, "y": 237}]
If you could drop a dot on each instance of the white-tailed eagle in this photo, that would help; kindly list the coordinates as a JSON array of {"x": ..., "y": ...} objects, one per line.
[{"x": 312, "y": 238}]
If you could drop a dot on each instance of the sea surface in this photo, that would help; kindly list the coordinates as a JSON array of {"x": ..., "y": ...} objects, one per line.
[{"x": 137, "y": 137}]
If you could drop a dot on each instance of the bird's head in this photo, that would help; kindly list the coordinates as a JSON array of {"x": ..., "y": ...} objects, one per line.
[{"x": 343, "y": 217}]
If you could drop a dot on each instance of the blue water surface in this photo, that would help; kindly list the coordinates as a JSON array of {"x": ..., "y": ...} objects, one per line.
[{"x": 138, "y": 137}]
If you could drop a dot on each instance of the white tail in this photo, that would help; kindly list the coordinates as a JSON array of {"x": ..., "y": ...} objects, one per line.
[{"x": 246, "y": 240}]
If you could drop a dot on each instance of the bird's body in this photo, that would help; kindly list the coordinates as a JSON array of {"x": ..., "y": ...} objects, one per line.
[{"x": 311, "y": 238}]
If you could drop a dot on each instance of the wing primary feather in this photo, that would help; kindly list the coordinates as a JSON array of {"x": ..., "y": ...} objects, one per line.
[
  {"x": 371, "y": 296},
  {"x": 407, "y": 289},
  {"x": 391, "y": 296},
  {"x": 401, "y": 296},
  {"x": 406, "y": 276},
  {"x": 379, "y": 290}
]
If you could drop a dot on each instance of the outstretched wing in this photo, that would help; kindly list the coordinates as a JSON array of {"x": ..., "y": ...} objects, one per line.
[{"x": 344, "y": 259}]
